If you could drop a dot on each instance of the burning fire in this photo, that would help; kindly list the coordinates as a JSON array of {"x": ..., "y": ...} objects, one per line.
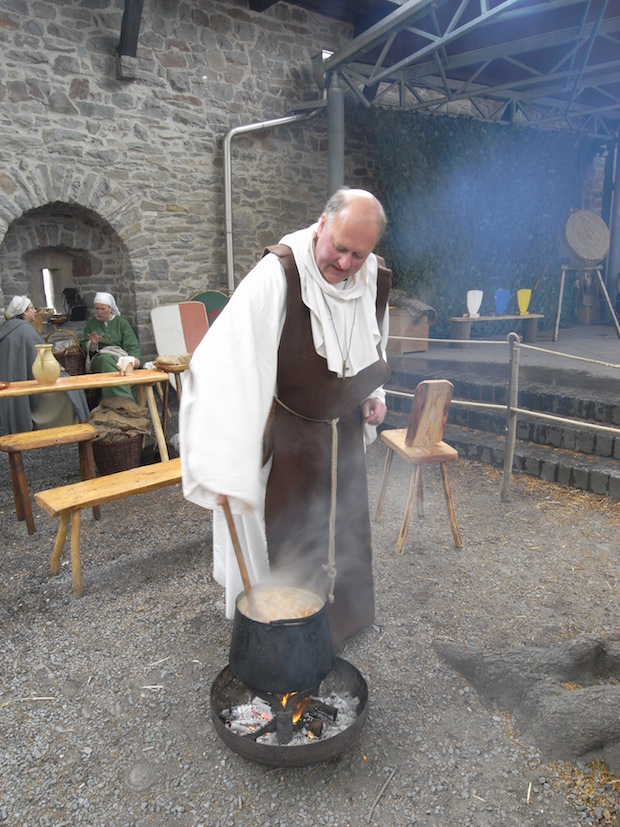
[
  {"x": 303, "y": 716},
  {"x": 298, "y": 706}
]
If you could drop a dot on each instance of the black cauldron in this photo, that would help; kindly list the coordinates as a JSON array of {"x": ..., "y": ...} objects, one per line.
[{"x": 282, "y": 656}]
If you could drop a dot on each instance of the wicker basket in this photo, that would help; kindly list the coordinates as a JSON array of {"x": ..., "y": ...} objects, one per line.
[
  {"x": 112, "y": 455},
  {"x": 71, "y": 357}
]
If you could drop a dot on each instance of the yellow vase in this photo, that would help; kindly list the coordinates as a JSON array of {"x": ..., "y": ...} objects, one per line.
[
  {"x": 523, "y": 300},
  {"x": 45, "y": 368}
]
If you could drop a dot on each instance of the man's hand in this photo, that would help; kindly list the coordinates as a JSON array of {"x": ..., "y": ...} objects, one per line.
[
  {"x": 222, "y": 498},
  {"x": 374, "y": 411}
]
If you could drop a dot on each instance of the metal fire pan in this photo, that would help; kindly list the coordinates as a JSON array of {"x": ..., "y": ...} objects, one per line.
[{"x": 228, "y": 691}]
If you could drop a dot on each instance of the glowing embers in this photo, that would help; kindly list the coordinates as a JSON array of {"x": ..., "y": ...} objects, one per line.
[
  {"x": 282, "y": 719},
  {"x": 291, "y": 730}
]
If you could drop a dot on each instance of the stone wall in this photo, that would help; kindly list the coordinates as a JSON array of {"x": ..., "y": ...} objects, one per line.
[
  {"x": 116, "y": 165},
  {"x": 128, "y": 172}
]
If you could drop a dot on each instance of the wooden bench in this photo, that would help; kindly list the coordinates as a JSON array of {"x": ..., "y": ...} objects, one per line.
[
  {"x": 460, "y": 326},
  {"x": 69, "y": 500},
  {"x": 15, "y": 444}
]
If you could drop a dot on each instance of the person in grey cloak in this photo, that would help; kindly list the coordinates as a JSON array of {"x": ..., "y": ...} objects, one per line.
[{"x": 18, "y": 340}]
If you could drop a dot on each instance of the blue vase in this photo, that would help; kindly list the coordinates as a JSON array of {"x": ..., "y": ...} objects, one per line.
[{"x": 501, "y": 300}]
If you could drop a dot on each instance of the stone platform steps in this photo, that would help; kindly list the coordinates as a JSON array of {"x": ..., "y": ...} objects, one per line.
[{"x": 558, "y": 452}]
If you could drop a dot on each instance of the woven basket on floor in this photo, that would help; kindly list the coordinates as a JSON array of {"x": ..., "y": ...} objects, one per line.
[
  {"x": 112, "y": 455},
  {"x": 71, "y": 357},
  {"x": 75, "y": 361}
]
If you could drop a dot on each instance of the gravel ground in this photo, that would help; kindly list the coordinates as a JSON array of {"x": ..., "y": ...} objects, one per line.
[{"x": 105, "y": 701}]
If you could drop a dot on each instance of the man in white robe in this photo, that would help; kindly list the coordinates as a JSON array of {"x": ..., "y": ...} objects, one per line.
[{"x": 233, "y": 375}]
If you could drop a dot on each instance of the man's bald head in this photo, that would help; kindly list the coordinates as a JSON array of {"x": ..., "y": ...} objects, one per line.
[
  {"x": 347, "y": 233},
  {"x": 360, "y": 200}
]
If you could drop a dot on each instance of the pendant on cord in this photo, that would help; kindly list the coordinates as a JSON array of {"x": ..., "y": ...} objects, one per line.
[{"x": 344, "y": 355}]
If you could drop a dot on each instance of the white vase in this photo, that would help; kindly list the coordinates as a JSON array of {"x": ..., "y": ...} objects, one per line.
[{"x": 474, "y": 300}]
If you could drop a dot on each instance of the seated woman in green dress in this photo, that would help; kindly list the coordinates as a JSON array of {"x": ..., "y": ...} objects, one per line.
[{"x": 105, "y": 339}]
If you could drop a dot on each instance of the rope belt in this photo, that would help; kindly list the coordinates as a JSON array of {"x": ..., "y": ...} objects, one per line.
[{"x": 330, "y": 566}]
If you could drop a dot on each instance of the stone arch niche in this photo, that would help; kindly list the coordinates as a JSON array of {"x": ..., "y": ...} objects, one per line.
[
  {"x": 90, "y": 226},
  {"x": 80, "y": 248}
]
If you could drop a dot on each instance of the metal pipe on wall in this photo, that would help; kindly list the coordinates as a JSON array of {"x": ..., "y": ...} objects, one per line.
[
  {"x": 335, "y": 134},
  {"x": 228, "y": 213}
]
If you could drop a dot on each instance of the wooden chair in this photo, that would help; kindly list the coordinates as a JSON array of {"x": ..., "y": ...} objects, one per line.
[
  {"x": 421, "y": 444},
  {"x": 177, "y": 329}
]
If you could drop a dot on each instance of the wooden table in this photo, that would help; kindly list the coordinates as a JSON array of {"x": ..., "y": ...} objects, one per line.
[
  {"x": 460, "y": 326},
  {"x": 144, "y": 380}
]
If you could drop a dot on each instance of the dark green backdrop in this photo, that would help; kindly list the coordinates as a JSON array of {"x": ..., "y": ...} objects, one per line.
[{"x": 474, "y": 205}]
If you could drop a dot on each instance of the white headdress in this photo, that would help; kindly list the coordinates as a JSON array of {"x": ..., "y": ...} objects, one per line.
[
  {"x": 107, "y": 298},
  {"x": 18, "y": 305}
]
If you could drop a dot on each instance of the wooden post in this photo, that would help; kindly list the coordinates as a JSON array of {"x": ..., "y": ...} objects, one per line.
[
  {"x": 511, "y": 416},
  {"x": 450, "y": 504},
  {"x": 157, "y": 427},
  {"x": 63, "y": 529},
  {"x": 76, "y": 566},
  {"x": 386, "y": 473}
]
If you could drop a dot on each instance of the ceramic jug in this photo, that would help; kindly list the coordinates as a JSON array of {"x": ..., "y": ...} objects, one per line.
[{"x": 45, "y": 368}]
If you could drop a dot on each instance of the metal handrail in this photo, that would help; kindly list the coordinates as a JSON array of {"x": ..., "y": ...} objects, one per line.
[{"x": 512, "y": 409}]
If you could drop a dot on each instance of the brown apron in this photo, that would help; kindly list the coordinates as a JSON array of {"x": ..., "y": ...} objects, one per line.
[{"x": 298, "y": 498}]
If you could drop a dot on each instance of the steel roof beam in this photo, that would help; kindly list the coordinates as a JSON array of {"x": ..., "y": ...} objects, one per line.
[
  {"x": 450, "y": 75},
  {"x": 515, "y": 47},
  {"x": 374, "y": 36},
  {"x": 441, "y": 42},
  {"x": 608, "y": 72},
  {"x": 544, "y": 91},
  {"x": 586, "y": 57},
  {"x": 541, "y": 8},
  {"x": 541, "y": 99}
]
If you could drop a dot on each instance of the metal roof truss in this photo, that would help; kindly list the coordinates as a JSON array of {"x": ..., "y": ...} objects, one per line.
[{"x": 545, "y": 64}]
